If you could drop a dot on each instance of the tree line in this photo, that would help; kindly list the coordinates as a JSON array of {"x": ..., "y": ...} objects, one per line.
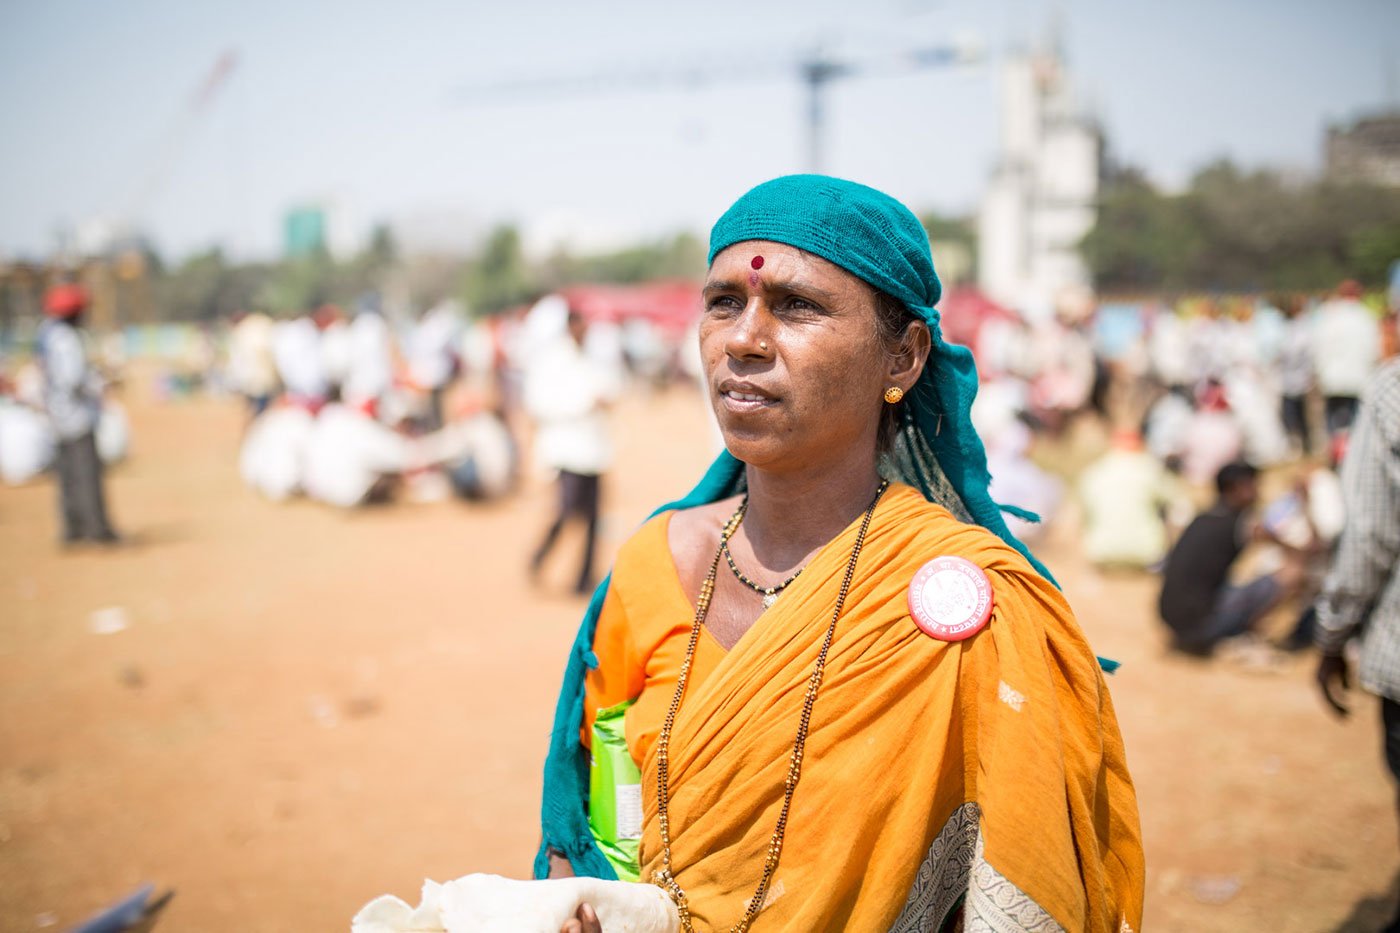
[
  {"x": 1241, "y": 231},
  {"x": 1229, "y": 230}
]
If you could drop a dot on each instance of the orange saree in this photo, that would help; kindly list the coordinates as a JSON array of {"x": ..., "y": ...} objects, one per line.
[{"x": 984, "y": 779}]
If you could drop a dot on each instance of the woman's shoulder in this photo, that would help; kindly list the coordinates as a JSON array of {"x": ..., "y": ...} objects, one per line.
[
  {"x": 925, "y": 530},
  {"x": 671, "y": 541}
]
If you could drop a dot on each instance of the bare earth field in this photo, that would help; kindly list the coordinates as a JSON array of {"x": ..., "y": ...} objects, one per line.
[{"x": 306, "y": 709}]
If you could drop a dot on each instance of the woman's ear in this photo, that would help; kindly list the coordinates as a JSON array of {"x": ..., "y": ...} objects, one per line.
[{"x": 908, "y": 360}]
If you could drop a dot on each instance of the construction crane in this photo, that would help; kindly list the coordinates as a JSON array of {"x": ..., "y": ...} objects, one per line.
[
  {"x": 817, "y": 70},
  {"x": 176, "y": 137},
  {"x": 111, "y": 248}
]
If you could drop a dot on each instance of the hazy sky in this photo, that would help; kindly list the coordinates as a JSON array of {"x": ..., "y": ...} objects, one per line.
[{"x": 355, "y": 102}]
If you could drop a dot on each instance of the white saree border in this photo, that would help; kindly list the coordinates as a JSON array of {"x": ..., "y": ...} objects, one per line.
[{"x": 956, "y": 870}]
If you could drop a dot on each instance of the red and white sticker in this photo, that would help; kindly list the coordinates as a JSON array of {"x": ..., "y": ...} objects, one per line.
[{"x": 950, "y": 598}]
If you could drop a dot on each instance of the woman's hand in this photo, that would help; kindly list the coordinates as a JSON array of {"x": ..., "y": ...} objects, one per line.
[{"x": 585, "y": 921}]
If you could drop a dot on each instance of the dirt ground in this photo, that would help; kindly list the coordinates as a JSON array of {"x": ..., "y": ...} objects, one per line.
[{"x": 303, "y": 709}]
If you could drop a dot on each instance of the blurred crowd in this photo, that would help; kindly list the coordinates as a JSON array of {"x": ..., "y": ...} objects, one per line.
[
  {"x": 1202, "y": 441},
  {"x": 1186, "y": 405}
]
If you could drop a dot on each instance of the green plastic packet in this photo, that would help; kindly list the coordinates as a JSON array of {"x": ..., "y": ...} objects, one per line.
[{"x": 615, "y": 793}]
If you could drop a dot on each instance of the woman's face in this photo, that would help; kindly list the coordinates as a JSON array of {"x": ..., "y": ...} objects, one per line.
[{"x": 795, "y": 366}]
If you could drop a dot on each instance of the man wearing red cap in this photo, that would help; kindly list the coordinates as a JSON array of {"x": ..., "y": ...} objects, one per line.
[{"x": 73, "y": 399}]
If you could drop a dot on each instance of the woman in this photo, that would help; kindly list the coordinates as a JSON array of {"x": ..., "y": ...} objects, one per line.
[{"x": 889, "y": 719}]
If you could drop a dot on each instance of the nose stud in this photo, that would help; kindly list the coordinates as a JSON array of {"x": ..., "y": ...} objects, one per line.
[{"x": 763, "y": 345}]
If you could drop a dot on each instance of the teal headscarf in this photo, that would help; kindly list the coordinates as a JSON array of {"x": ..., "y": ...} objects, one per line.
[{"x": 877, "y": 239}]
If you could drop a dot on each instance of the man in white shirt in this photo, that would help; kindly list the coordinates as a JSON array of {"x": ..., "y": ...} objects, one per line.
[
  {"x": 73, "y": 400},
  {"x": 433, "y": 357},
  {"x": 371, "y": 369},
  {"x": 296, "y": 347},
  {"x": 351, "y": 459},
  {"x": 251, "y": 368},
  {"x": 1295, "y": 374},
  {"x": 567, "y": 392},
  {"x": 1346, "y": 347}
]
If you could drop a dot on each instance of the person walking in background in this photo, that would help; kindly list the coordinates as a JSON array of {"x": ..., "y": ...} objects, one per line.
[
  {"x": 371, "y": 352},
  {"x": 251, "y": 368},
  {"x": 296, "y": 348},
  {"x": 567, "y": 394},
  {"x": 434, "y": 358},
  {"x": 1346, "y": 347},
  {"x": 73, "y": 401},
  {"x": 1295, "y": 373},
  {"x": 1361, "y": 594},
  {"x": 1198, "y": 603}
]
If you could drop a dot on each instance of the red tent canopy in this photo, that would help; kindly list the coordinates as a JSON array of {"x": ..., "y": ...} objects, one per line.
[
  {"x": 671, "y": 304},
  {"x": 964, "y": 309}
]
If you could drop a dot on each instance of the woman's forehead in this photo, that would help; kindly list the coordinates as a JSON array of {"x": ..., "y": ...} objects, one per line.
[{"x": 771, "y": 257}]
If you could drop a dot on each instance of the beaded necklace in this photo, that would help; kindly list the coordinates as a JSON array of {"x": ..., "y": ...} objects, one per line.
[
  {"x": 770, "y": 594},
  {"x": 664, "y": 877}
]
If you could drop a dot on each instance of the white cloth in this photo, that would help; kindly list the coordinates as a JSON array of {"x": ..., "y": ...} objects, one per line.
[
  {"x": 433, "y": 346},
  {"x": 347, "y": 452},
  {"x": 1256, "y": 406},
  {"x": 271, "y": 459},
  {"x": 1208, "y": 348},
  {"x": 1167, "y": 348},
  {"x": 335, "y": 352},
  {"x": 251, "y": 367},
  {"x": 371, "y": 366},
  {"x": 492, "y": 904},
  {"x": 1213, "y": 440},
  {"x": 1346, "y": 346},
  {"x": 566, "y": 392},
  {"x": 484, "y": 442},
  {"x": 26, "y": 443},
  {"x": 995, "y": 409},
  {"x": 1168, "y": 425},
  {"x": 1018, "y": 481},
  {"x": 296, "y": 347},
  {"x": 113, "y": 433}
]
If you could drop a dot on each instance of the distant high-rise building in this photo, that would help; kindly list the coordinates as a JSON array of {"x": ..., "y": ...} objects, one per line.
[
  {"x": 326, "y": 225},
  {"x": 1041, "y": 199},
  {"x": 1366, "y": 151}
]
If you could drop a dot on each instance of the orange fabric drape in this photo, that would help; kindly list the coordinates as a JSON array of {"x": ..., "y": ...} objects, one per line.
[{"x": 907, "y": 730}]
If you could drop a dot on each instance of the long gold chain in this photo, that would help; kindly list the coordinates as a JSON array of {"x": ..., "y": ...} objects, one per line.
[{"x": 664, "y": 876}]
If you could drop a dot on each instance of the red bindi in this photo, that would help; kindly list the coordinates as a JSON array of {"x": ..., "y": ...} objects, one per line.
[{"x": 757, "y": 262}]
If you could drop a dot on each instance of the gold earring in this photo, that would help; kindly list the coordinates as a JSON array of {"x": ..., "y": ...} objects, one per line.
[{"x": 893, "y": 395}]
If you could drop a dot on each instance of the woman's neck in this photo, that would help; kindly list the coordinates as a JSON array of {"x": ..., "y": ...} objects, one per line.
[{"x": 791, "y": 515}]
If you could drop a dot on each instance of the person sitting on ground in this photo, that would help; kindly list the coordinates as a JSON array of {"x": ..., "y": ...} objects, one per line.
[
  {"x": 1128, "y": 496},
  {"x": 1198, "y": 603}
]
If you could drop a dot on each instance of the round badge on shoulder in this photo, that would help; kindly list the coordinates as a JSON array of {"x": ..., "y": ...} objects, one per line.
[{"x": 950, "y": 598}]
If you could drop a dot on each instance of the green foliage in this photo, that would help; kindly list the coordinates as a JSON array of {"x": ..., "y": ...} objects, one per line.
[
  {"x": 960, "y": 230},
  {"x": 205, "y": 287},
  {"x": 1241, "y": 231},
  {"x": 499, "y": 278},
  {"x": 679, "y": 257},
  {"x": 1142, "y": 240},
  {"x": 299, "y": 284},
  {"x": 956, "y": 229}
]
